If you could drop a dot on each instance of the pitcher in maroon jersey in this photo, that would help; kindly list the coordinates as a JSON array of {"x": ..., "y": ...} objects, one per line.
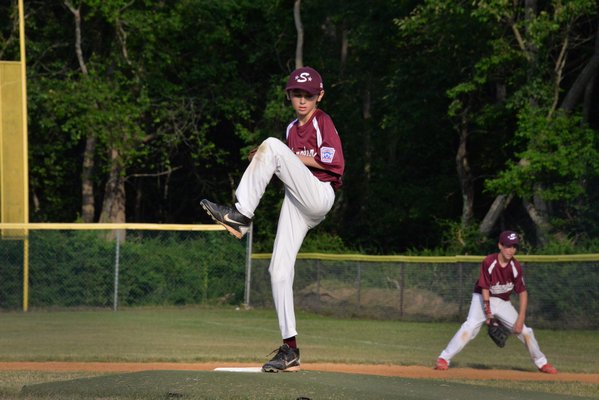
[{"x": 310, "y": 164}]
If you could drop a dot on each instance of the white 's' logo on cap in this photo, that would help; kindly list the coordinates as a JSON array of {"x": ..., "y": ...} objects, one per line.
[
  {"x": 303, "y": 77},
  {"x": 512, "y": 236}
]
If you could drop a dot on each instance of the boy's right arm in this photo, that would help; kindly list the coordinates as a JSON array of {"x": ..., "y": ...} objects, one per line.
[
  {"x": 487, "y": 305},
  {"x": 310, "y": 162}
]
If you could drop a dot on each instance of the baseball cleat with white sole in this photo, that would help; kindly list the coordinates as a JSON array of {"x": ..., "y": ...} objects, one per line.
[
  {"x": 286, "y": 360},
  {"x": 235, "y": 222}
]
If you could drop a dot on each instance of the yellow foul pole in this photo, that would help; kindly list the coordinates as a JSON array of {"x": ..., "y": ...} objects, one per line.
[{"x": 25, "y": 156}]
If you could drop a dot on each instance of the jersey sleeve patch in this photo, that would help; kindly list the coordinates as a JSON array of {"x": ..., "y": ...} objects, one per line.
[{"x": 327, "y": 154}]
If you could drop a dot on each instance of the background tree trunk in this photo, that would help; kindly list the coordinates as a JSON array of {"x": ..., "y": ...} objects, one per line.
[
  {"x": 584, "y": 80},
  {"x": 367, "y": 168},
  {"x": 113, "y": 206},
  {"x": 88, "y": 208},
  {"x": 299, "y": 27},
  {"x": 499, "y": 205},
  {"x": 464, "y": 172},
  {"x": 87, "y": 187}
]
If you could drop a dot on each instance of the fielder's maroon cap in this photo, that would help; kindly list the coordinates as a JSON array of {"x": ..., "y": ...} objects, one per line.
[
  {"x": 509, "y": 238},
  {"x": 305, "y": 78}
]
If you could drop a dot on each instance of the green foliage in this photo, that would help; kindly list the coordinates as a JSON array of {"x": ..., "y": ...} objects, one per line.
[
  {"x": 504, "y": 103},
  {"x": 183, "y": 89},
  {"x": 558, "y": 288},
  {"x": 323, "y": 242},
  {"x": 562, "y": 154},
  {"x": 570, "y": 245},
  {"x": 458, "y": 239},
  {"x": 78, "y": 269},
  {"x": 11, "y": 273}
]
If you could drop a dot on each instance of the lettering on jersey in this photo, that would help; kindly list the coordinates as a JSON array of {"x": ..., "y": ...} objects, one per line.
[
  {"x": 306, "y": 152},
  {"x": 501, "y": 289},
  {"x": 327, "y": 154}
]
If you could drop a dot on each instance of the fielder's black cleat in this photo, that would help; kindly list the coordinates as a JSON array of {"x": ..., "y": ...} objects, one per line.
[
  {"x": 236, "y": 223},
  {"x": 286, "y": 359}
]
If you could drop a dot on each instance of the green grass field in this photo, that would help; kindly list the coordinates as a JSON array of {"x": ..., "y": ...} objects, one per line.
[{"x": 198, "y": 334}]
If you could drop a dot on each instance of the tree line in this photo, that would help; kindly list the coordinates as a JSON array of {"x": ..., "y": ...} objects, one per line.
[{"x": 458, "y": 118}]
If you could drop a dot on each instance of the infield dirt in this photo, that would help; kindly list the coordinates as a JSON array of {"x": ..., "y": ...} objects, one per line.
[{"x": 383, "y": 370}]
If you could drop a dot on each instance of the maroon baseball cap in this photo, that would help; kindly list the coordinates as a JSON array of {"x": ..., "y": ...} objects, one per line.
[
  {"x": 306, "y": 79},
  {"x": 509, "y": 238}
]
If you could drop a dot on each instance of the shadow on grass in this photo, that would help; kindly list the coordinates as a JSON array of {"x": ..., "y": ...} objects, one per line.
[
  {"x": 234, "y": 385},
  {"x": 491, "y": 367}
]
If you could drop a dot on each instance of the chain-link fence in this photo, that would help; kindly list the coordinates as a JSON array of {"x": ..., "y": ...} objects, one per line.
[
  {"x": 56, "y": 268},
  {"x": 176, "y": 265},
  {"x": 563, "y": 291}
]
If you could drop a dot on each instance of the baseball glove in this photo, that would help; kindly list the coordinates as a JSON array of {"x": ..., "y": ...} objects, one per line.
[{"x": 498, "y": 332}]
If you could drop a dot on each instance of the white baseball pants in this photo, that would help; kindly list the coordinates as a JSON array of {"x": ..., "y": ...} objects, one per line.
[
  {"x": 507, "y": 314},
  {"x": 306, "y": 203}
]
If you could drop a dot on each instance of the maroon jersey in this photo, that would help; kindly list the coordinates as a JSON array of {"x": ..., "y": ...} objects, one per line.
[
  {"x": 319, "y": 139},
  {"x": 501, "y": 282}
]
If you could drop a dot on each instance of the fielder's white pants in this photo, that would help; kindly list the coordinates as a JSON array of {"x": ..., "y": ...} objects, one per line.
[
  {"x": 507, "y": 314},
  {"x": 306, "y": 203}
]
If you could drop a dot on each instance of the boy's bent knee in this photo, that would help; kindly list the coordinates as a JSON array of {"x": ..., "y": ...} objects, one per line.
[
  {"x": 526, "y": 331},
  {"x": 470, "y": 329},
  {"x": 272, "y": 142},
  {"x": 270, "y": 145}
]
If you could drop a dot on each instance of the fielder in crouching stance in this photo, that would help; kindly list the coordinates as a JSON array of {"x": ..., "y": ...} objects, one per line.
[
  {"x": 500, "y": 275},
  {"x": 311, "y": 166}
]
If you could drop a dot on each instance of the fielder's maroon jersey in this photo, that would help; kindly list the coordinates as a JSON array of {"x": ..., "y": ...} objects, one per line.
[
  {"x": 501, "y": 282},
  {"x": 319, "y": 139}
]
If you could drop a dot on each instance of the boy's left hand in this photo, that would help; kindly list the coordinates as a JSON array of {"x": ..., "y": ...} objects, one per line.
[
  {"x": 518, "y": 326},
  {"x": 252, "y": 153}
]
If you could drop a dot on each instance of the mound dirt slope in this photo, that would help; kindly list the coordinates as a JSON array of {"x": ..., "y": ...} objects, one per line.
[{"x": 384, "y": 370}]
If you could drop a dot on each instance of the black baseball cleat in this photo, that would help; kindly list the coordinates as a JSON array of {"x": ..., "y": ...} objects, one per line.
[
  {"x": 236, "y": 223},
  {"x": 286, "y": 360}
]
